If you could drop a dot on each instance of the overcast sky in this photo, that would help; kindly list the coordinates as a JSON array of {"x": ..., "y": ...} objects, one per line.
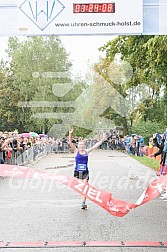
[{"x": 83, "y": 49}]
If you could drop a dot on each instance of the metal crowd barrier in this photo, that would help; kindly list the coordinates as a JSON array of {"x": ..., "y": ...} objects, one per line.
[
  {"x": 27, "y": 156},
  {"x": 34, "y": 153},
  {"x": 40, "y": 150}
]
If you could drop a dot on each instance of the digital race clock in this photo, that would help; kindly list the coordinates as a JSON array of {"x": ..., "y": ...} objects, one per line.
[{"x": 94, "y": 8}]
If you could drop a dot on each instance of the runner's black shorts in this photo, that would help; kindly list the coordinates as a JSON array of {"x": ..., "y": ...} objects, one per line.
[{"x": 81, "y": 175}]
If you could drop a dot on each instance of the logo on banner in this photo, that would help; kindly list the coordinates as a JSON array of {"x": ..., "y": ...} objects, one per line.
[{"x": 42, "y": 12}]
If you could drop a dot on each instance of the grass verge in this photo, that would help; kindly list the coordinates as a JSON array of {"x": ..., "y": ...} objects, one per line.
[{"x": 152, "y": 163}]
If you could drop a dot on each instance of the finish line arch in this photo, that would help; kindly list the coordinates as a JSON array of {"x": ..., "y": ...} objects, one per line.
[{"x": 100, "y": 17}]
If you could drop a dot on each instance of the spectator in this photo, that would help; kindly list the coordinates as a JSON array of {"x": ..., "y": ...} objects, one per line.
[
  {"x": 139, "y": 145},
  {"x": 161, "y": 152},
  {"x": 1, "y": 161},
  {"x": 132, "y": 145},
  {"x": 127, "y": 144}
]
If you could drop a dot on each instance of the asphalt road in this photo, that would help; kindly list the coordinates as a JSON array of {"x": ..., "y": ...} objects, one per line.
[{"x": 34, "y": 210}]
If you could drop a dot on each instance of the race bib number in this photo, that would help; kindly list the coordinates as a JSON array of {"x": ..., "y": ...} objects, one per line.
[{"x": 82, "y": 167}]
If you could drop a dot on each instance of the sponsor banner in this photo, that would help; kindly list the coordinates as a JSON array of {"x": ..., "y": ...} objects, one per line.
[
  {"x": 63, "y": 17},
  {"x": 104, "y": 199},
  {"x": 80, "y": 17}
]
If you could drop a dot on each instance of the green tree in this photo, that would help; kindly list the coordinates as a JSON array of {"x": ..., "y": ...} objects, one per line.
[
  {"x": 147, "y": 56},
  {"x": 36, "y": 68}
]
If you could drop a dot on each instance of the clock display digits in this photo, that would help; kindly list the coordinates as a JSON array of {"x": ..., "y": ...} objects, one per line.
[
  {"x": 104, "y": 7},
  {"x": 83, "y": 8},
  {"x": 94, "y": 8},
  {"x": 110, "y": 8},
  {"x": 90, "y": 8}
]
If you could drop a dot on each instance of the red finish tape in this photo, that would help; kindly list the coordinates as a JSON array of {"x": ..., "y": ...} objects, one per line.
[{"x": 102, "y": 198}]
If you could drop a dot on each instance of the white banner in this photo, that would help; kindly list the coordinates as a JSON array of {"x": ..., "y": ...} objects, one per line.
[{"x": 67, "y": 17}]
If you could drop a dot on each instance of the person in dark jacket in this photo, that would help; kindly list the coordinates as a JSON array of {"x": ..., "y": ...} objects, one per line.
[
  {"x": 161, "y": 146},
  {"x": 1, "y": 161}
]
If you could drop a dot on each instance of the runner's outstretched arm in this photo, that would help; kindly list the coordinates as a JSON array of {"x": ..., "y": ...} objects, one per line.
[
  {"x": 70, "y": 140},
  {"x": 94, "y": 147}
]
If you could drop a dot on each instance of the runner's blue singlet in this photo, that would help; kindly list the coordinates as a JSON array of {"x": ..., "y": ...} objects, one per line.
[{"x": 81, "y": 162}]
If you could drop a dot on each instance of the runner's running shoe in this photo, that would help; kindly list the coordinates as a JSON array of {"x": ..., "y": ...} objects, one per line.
[{"x": 84, "y": 206}]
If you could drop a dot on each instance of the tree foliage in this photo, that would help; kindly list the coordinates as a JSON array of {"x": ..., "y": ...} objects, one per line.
[
  {"x": 147, "y": 57},
  {"x": 34, "y": 65}
]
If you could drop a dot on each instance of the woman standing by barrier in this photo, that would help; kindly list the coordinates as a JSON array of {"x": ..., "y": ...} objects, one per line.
[{"x": 81, "y": 157}]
